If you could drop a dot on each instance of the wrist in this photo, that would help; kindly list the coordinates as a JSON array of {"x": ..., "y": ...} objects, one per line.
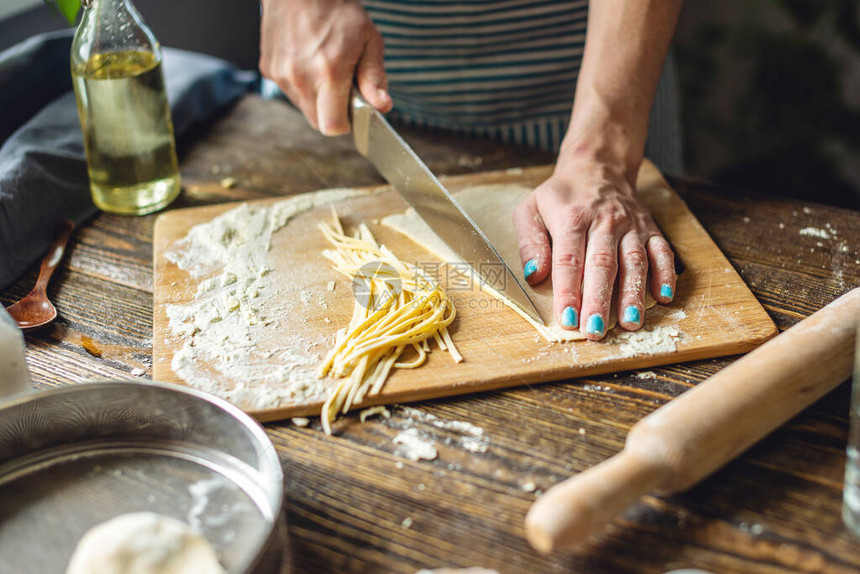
[{"x": 602, "y": 141}]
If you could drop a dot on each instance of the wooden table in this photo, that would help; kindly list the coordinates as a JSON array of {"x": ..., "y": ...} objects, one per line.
[{"x": 354, "y": 505}]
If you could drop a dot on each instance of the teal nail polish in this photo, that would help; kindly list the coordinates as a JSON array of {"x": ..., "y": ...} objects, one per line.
[
  {"x": 631, "y": 315},
  {"x": 569, "y": 318},
  {"x": 530, "y": 268},
  {"x": 594, "y": 325},
  {"x": 666, "y": 291}
]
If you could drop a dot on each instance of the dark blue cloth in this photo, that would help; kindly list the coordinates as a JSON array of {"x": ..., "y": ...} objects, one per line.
[{"x": 43, "y": 176}]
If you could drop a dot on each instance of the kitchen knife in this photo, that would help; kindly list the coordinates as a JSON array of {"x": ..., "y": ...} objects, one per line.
[{"x": 401, "y": 166}]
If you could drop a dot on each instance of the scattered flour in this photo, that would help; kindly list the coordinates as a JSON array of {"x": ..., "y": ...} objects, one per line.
[
  {"x": 647, "y": 341},
  {"x": 646, "y": 375},
  {"x": 815, "y": 232},
  {"x": 474, "y": 444},
  {"x": 545, "y": 352},
  {"x": 417, "y": 448},
  {"x": 472, "y": 439},
  {"x": 469, "y": 161},
  {"x": 231, "y": 342},
  {"x": 602, "y": 388},
  {"x": 677, "y": 315},
  {"x": 458, "y": 426}
]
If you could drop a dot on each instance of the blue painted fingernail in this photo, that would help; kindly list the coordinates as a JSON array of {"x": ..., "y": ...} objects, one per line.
[
  {"x": 666, "y": 291},
  {"x": 530, "y": 268},
  {"x": 569, "y": 318},
  {"x": 594, "y": 325},
  {"x": 631, "y": 315}
]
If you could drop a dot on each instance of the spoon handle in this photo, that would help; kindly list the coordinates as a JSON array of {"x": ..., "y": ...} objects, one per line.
[{"x": 55, "y": 255}]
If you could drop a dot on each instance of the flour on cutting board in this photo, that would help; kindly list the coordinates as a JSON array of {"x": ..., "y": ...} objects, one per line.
[
  {"x": 650, "y": 340},
  {"x": 226, "y": 328},
  {"x": 233, "y": 335}
]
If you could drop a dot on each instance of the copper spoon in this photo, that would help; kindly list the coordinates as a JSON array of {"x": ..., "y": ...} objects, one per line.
[{"x": 35, "y": 310}]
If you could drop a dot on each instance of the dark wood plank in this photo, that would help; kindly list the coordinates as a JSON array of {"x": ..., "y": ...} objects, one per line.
[
  {"x": 775, "y": 509},
  {"x": 267, "y": 147},
  {"x": 775, "y": 246}
]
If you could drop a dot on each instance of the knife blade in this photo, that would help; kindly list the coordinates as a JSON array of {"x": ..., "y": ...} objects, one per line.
[{"x": 402, "y": 168}]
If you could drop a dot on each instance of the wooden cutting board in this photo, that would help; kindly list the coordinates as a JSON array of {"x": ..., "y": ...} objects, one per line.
[{"x": 713, "y": 314}]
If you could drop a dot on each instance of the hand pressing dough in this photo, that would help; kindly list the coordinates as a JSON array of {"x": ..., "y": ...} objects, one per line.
[
  {"x": 492, "y": 208},
  {"x": 143, "y": 543}
]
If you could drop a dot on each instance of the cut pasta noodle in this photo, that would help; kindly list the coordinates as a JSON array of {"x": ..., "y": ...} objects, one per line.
[{"x": 397, "y": 307}]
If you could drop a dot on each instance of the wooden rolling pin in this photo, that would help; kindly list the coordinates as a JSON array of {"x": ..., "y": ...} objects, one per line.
[{"x": 692, "y": 436}]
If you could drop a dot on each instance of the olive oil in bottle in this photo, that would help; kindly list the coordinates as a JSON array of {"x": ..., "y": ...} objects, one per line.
[{"x": 123, "y": 109}]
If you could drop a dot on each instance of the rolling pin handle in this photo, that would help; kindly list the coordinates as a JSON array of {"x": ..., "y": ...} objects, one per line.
[
  {"x": 570, "y": 510},
  {"x": 692, "y": 436}
]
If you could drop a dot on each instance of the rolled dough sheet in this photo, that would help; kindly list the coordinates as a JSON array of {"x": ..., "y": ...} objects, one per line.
[{"x": 491, "y": 207}]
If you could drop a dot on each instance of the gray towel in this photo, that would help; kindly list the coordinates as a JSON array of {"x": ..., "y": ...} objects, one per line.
[{"x": 43, "y": 176}]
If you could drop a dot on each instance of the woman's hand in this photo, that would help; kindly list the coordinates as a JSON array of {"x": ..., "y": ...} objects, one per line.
[
  {"x": 584, "y": 226},
  {"x": 315, "y": 50}
]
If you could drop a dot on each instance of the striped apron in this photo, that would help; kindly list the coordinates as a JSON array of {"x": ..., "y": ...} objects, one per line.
[{"x": 500, "y": 69}]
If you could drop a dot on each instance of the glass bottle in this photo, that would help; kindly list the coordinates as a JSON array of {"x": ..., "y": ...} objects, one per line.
[
  {"x": 122, "y": 104},
  {"x": 14, "y": 377},
  {"x": 851, "y": 491}
]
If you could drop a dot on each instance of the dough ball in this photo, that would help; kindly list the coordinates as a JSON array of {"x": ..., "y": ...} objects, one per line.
[{"x": 143, "y": 543}]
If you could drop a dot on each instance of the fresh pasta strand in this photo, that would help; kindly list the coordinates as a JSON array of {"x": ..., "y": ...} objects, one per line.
[{"x": 403, "y": 308}]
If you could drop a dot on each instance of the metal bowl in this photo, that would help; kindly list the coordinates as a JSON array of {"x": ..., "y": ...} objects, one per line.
[{"x": 73, "y": 457}]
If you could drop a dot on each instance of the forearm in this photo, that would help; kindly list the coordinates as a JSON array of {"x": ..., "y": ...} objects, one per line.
[{"x": 626, "y": 45}]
